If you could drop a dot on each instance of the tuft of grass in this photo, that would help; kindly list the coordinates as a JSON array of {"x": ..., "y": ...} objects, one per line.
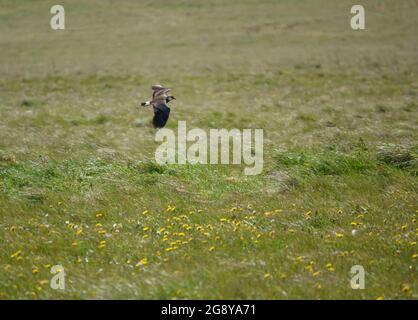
[
  {"x": 101, "y": 119},
  {"x": 409, "y": 107},
  {"x": 326, "y": 162},
  {"x": 398, "y": 156},
  {"x": 29, "y": 103}
]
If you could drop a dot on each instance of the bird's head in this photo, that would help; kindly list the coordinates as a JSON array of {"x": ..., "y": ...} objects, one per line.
[{"x": 169, "y": 98}]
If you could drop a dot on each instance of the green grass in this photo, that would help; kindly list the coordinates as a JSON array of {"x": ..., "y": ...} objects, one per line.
[{"x": 77, "y": 167}]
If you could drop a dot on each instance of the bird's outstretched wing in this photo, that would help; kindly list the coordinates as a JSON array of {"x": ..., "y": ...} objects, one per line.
[
  {"x": 161, "y": 114},
  {"x": 159, "y": 93}
]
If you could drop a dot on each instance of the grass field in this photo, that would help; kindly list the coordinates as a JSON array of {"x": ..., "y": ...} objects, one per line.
[{"x": 79, "y": 185}]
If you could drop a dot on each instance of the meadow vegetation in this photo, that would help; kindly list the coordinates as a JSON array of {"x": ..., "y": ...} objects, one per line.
[{"x": 79, "y": 185}]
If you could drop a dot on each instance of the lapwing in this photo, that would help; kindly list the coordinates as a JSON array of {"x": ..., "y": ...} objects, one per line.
[{"x": 159, "y": 102}]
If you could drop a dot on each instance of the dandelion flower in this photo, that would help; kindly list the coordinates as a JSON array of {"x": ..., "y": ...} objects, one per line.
[
  {"x": 309, "y": 268},
  {"x": 102, "y": 244},
  {"x": 161, "y": 230},
  {"x": 35, "y": 270},
  {"x": 300, "y": 258},
  {"x": 143, "y": 262},
  {"x": 406, "y": 288},
  {"x": 17, "y": 254}
]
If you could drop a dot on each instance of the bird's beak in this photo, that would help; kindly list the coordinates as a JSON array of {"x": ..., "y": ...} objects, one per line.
[{"x": 174, "y": 98}]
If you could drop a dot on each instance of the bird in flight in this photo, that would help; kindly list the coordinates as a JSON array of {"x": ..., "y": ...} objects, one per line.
[{"x": 159, "y": 102}]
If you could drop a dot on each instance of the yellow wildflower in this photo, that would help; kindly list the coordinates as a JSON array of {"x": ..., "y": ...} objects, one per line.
[
  {"x": 102, "y": 244},
  {"x": 406, "y": 288},
  {"x": 43, "y": 282},
  {"x": 330, "y": 267},
  {"x": 300, "y": 258},
  {"x": 143, "y": 262},
  {"x": 35, "y": 270},
  {"x": 17, "y": 254}
]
